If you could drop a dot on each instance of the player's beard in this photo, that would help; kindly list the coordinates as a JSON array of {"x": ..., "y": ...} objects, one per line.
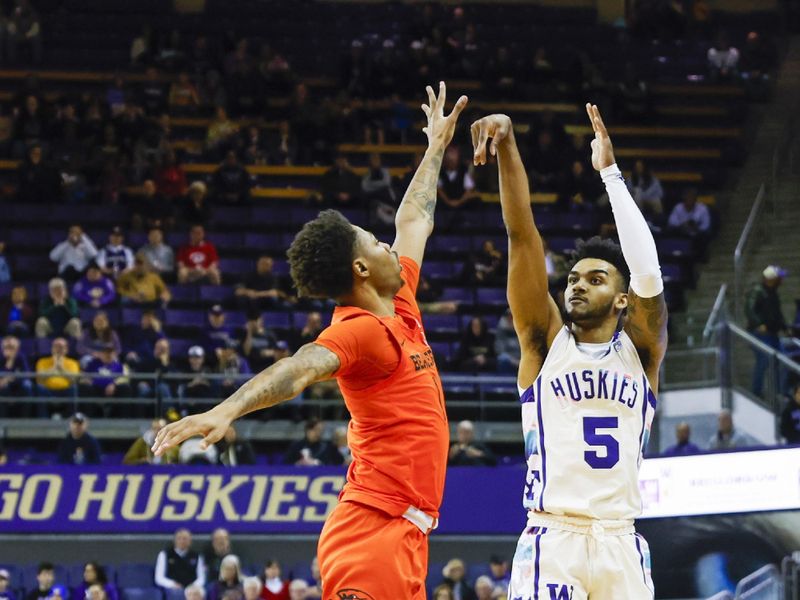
[{"x": 584, "y": 314}]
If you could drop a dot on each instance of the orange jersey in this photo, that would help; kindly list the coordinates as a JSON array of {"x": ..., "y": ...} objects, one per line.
[{"x": 398, "y": 434}]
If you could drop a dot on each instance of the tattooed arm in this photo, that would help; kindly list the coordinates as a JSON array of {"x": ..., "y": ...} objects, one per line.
[
  {"x": 282, "y": 381},
  {"x": 414, "y": 219}
]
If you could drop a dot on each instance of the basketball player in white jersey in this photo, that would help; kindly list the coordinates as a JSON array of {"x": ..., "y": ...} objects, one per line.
[{"x": 587, "y": 387}]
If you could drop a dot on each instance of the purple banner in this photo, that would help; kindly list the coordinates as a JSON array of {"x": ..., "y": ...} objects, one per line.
[{"x": 36, "y": 499}]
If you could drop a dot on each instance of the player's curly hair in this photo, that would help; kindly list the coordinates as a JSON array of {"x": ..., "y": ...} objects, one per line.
[
  {"x": 321, "y": 256},
  {"x": 603, "y": 249}
]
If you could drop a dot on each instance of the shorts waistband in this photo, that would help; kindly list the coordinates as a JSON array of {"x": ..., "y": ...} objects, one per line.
[
  {"x": 583, "y": 525},
  {"x": 424, "y": 522}
]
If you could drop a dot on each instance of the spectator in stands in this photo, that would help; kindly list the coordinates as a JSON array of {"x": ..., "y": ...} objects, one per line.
[
  {"x": 546, "y": 174},
  {"x": 757, "y": 59},
  {"x": 73, "y": 254},
  {"x": 159, "y": 364},
  {"x": 115, "y": 257},
  {"x": 231, "y": 182},
  {"x": 298, "y": 590},
  {"x": 341, "y": 445},
  {"x": 632, "y": 99},
  {"x": 196, "y": 210},
  {"x": 727, "y": 436},
  {"x": 376, "y": 188},
  {"x": 171, "y": 178},
  {"x": 141, "y": 340},
  {"x": 99, "y": 333},
  {"x": 178, "y": 566},
  {"x": 340, "y": 186},
  {"x": 312, "y": 450},
  {"x": 13, "y": 361},
  {"x": 251, "y": 588},
  {"x": 139, "y": 285},
  {"x": 95, "y": 574},
  {"x": 23, "y": 31},
  {"x": 443, "y": 592},
  {"x": 280, "y": 149},
  {"x": 151, "y": 209},
  {"x": 96, "y": 592},
  {"x": 152, "y": 94},
  {"x": 232, "y": 366},
  {"x": 140, "y": 453},
  {"x": 198, "y": 261},
  {"x": 158, "y": 254},
  {"x": 466, "y": 452},
  {"x": 506, "y": 345},
  {"x": 483, "y": 588},
  {"x": 199, "y": 386},
  {"x": 501, "y": 75},
  {"x": 723, "y": 59},
  {"x": 275, "y": 586},
  {"x": 94, "y": 289},
  {"x": 476, "y": 349},
  {"x": 234, "y": 451},
  {"x": 311, "y": 330},
  {"x": 6, "y": 591},
  {"x": 194, "y": 592},
  {"x": 683, "y": 446},
  {"x": 456, "y": 186},
  {"x": 106, "y": 377},
  {"x": 261, "y": 290},
  {"x": 58, "y": 313},
  {"x": 183, "y": 96},
  {"x": 79, "y": 447},
  {"x": 765, "y": 319},
  {"x": 259, "y": 344},
  {"x": 17, "y": 315},
  {"x": 500, "y": 575},
  {"x": 192, "y": 452},
  {"x": 315, "y": 582},
  {"x": 647, "y": 192},
  {"x": 690, "y": 217},
  {"x": 790, "y": 417},
  {"x": 230, "y": 578},
  {"x": 53, "y": 371},
  {"x": 45, "y": 582},
  {"x": 486, "y": 266},
  {"x": 454, "y": 577},
  {"x": 579, "y": 189},
  {"x": 218, "y": 335},
  {"x": 213, "y": 552},
  {"x": 221, "y": 130},
  {"x": 5, "y": 268}
]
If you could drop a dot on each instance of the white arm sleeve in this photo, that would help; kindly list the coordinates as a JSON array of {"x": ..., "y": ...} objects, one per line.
[
  {"x": 638, "y": 245},
  {"x": 161, "y": 578}
]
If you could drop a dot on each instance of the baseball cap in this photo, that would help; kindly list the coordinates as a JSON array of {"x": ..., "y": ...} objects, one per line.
[
  {"x": 197, "y": 351},
  {"x": 216, "y": 309},
  {"x": 116, "y": 230},
  {"x": 78, "y": 417},
  {"x": 4, "y": 574},
  {"x": 774, "y": 272}
]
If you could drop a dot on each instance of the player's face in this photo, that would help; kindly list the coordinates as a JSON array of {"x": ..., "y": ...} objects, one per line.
[
  {"x": 594, "y": 292},
  {"x": 383, "y": 264}
]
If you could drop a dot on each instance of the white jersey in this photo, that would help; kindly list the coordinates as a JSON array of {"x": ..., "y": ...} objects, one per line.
[{"x": 586, "y": 420}]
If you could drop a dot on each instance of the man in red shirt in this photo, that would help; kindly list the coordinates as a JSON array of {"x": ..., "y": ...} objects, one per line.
[
  {"x": 198, "y": 260},
  {"x": 374, "y": 545}
]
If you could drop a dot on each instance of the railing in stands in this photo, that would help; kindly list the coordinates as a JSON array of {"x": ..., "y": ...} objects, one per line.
[
  {"x": 718, "y": 313},
  {"x": 790, "y": 571},
  {"x": 722, "y": 596},
  {"x": 740, "y": 255},
  {"x": 763, "y": 584}
]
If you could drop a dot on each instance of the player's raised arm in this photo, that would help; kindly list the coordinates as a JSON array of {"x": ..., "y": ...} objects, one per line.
[
  {"x": 647, "y": 308},
  {"x": 414, "y": 219},
  {"x": 282, "y": 381},
  {"x": 535, "y": 314}
]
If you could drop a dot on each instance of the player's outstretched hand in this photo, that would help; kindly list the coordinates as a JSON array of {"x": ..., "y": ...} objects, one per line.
[
  {"x": 440, "y": 129},
  {"x": 211, "y": 425},
  {"x": 602, "y": 150},
  {"x": 497, "y": 127}
]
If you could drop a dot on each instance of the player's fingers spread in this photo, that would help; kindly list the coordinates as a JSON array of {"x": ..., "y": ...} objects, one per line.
[
  {"x": 460, "y": 104},
  {"x": 591, "y": 115},
  {"x": 431, "y": 96},
  {"x": 426, "y": 109},
  {"x": 442, "y": 96}
]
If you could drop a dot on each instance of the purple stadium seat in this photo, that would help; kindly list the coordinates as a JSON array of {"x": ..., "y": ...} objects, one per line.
[
  {"x": 27, "y": 346},
  {"x": 500, "y": 242},
  {"x": 176, "y": 239},
  {"x": 299, "y": 319},
  {"x": 676, "y": 247},
  {"x": 264, "y": 242},
  {"x": 236, "y": 266},
  {"x": 211, "y": 294},
  {"x": 269, "y": 215},
  {"x": 16, "y": 237},
  {"x": 355, "y": 215},
  {"x": 277, "y": 320},
  {"x": 183, "y": 293},
  {"x": 136, "y": 239},
  {"x": 439, "y": 269},
  {"x": 583, "y": 224},
  {"x": 235, "y": 318},
  {"x": 280, "y": 267},
  {"x": 300, "y": 215},
  {"x": 475, "y": 570},
  {"x": 442, "y": 350},
  {"x": 453, "y": 244},
  {"x": 672, "y": 272},
  {"x": 131, "y": 316},
  {"x": 185, "y": 318},
  {"x": 441, "y": 323},
  {"x": 43, "y": 345},
  {"x": 132, "y": 575},
  {"x": 457, "y": 294},
  {"x": 561, "y": 244},
  {"x": 491, "y": 296},
  {"x": 179, "y": 347},
  {"x": 546, "y": 221},
  {"x": 142, "y": 593},
  {"x": 300, "y": 570},
  {"x": 225, "y": 241},
  {"x": 490, "y": 320},
  {"x": 232, "y": 215},
  {"x": 35, "y": 263},
  {"x": 5, "y": 289}
]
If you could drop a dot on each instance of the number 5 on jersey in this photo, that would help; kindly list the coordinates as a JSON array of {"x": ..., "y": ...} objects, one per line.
[{"x": 595, "y": 459}]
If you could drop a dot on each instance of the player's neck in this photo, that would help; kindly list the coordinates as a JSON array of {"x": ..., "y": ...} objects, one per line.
[
  {"x": 594, "y": 332},
  {"x": 367, "y": 298}
]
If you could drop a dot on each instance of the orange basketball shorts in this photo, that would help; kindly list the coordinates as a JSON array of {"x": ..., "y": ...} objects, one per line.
[{"x": 364, "y": 554}]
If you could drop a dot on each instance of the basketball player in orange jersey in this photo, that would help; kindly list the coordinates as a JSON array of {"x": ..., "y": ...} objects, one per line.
[{"x": 374, "y": 545}]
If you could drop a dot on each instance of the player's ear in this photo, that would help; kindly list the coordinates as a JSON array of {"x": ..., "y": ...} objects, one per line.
[
  {"x": 360, "y": 269},
  {"x": 621, "y": 301}
]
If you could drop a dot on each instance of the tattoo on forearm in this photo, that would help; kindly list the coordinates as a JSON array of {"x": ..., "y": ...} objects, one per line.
[
  {"x": 282, "y": 380},
  {"x": 647, "y": 317},
  {"x": 421, "y": 194}
]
